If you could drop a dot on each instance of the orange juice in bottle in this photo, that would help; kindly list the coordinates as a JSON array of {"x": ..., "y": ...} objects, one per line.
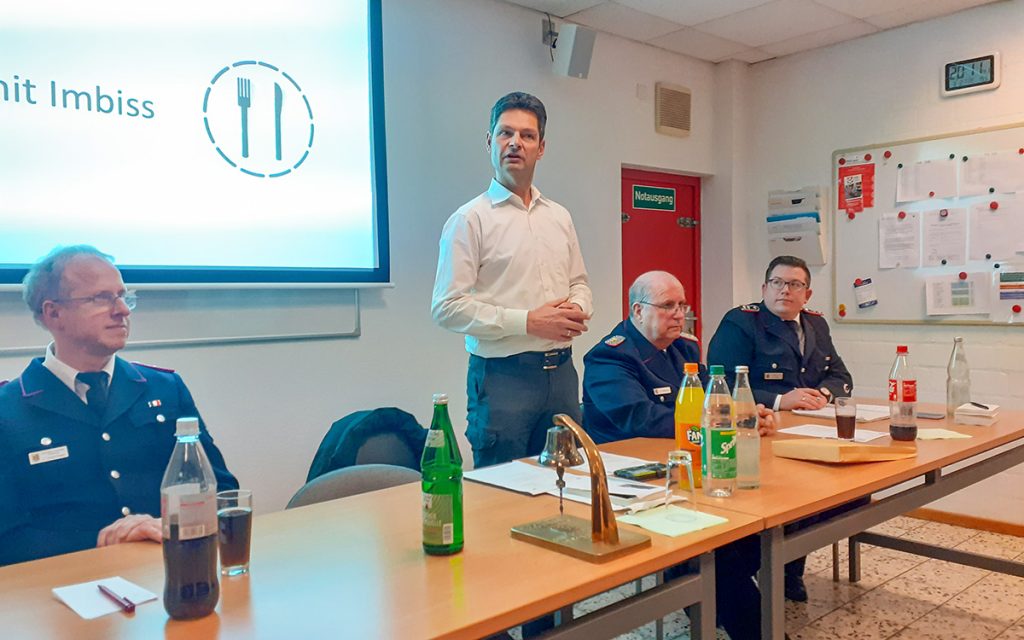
[{"x": 689, "y": 410}]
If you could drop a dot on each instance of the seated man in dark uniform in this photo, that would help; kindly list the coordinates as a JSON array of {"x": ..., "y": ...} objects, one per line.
[
  {"x": 793, "y": 363},
  {"x": 630, "y": 382},
  {"x": 85, "y": 436}
]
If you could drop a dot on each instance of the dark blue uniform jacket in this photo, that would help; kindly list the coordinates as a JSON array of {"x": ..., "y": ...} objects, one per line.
[
  {"x": 630, "y": 387},
  {"x": 754, "y": 336},
  {"x": 88, "y": 470}
]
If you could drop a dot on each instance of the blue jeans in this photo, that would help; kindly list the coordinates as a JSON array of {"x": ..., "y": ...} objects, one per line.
[{"x": 512, "y": 400}]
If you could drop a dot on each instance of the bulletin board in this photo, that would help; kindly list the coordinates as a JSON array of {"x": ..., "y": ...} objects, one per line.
[{"x": 931, "y": 230}]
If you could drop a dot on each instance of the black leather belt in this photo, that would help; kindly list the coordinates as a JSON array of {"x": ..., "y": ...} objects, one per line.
[{"x": 546, "y": 360}]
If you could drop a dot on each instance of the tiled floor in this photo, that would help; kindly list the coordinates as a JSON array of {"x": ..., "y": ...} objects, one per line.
[{"x": 899, "y": 596}]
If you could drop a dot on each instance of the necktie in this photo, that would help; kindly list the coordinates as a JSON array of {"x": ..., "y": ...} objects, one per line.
[
  {"x": 96, "y": 396},
  {"x": 795, "y": 326}
]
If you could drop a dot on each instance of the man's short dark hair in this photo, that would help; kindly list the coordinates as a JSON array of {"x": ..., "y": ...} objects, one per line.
[
  {"x": 44, "y": 279},
  {"x": 787, "y": 261},
  {"x": 524, "y": 101}
]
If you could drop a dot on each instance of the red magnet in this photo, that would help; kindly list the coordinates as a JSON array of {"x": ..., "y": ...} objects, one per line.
[
  {"x": 1016, "y": 308},
  {"x": 842, "y": 313},
  {"x": 887, "y": 154},
  {"x": 867, "y": 156},
  {"x": 963, "y": 275},
  {"x": 851, "y": 215},
  {"x": 1021, "y": 151},
  {"x": 943, "y": 213},
  {"x": 902, "y": 214},
  {"x": 931, "y": 194},
  {"x": 858, "y": 282},
  {"x": 993, "y": 205},
  {"x": 842, "y": 161}
]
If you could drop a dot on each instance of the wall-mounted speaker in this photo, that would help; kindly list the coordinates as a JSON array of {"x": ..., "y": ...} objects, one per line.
[{"x": 573, "y": 50}]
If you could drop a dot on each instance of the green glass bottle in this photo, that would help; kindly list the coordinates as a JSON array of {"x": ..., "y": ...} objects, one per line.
[{"x": 441, "y": 466}]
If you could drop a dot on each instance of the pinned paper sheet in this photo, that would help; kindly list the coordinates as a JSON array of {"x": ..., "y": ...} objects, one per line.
[
  {"x": 672, "y": 520},
  {"x": 940, "y": 434},
  {"x": 88, "y": 601}
]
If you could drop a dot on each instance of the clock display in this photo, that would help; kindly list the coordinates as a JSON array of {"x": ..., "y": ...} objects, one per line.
[{"x": 966, "y": 74}]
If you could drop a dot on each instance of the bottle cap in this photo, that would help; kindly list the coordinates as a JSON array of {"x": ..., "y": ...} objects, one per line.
[
  {"x": 958, "y": 339},
  {"x": 901, "y": 348},
  {"x": 691, "y": 367},
  {"x": 742, "y": 368},
  {"x": 186, "y": 427},
  {"x": 717, "y": 370},
  {"x": 440, "y": 398}
]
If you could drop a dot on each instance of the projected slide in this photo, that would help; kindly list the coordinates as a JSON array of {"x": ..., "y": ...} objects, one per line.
[{"x": 195, "y": 141}]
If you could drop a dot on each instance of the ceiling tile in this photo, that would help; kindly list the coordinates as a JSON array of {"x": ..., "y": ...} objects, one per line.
[
  {"x": 697, "y": 44},
  {"x": 922, "y": 11},
  {"x": 625, "y": 22},
  {"x": 690, "y": 12},
  {"x": 773, "y": 22},
  {"x": 820, "y": 38},
  {"x": 752, "y": 55},
  {"x": 560, "y": 8},
  {"x": 865, "y": 8}
]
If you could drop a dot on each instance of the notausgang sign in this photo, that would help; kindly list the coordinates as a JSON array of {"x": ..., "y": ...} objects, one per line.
[{"x": 654, "y": 198}]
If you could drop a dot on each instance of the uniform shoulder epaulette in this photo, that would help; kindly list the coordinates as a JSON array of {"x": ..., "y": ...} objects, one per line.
[
  {"x": 151, "y": 366},
  {"x": 750, "y": 308},
  {"x": 813, "y": 312},
  {"x": 615, "y": 340},
  {"x": 689, "y": 336},
  {"x": 3, "y": 382}
]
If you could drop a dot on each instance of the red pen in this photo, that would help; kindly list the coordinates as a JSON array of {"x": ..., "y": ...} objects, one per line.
[{"x": 126, "y": 605}]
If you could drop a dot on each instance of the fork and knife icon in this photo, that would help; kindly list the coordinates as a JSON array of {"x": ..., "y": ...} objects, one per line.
[{"x": 245, "y": 101}]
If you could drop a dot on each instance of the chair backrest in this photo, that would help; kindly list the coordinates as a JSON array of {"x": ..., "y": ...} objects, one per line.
[
  {"x": 385, "y": 436},
  {"x": 388, "y": 448},
  {"x": 351, "y": 481}
]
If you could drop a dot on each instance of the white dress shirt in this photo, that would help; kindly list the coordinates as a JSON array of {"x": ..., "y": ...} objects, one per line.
[
  {"x": 498, "y": 260},
  {"x": 69, "y": 375}
]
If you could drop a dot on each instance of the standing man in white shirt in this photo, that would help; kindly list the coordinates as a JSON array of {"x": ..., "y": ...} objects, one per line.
[{"x": 510, "y": 276}]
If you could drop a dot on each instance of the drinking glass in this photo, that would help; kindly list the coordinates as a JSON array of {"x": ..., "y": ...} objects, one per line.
[
  {"x": 846, "y": 418},
  {"x": 679, "y": 463},
  {"x": 234, "y": 530}
]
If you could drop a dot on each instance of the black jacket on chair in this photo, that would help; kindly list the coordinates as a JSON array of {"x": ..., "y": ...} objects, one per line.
[{"x": 341, "y": 446}]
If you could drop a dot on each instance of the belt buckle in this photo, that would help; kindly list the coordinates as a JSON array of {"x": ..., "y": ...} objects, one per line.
[{"x": 550, "y": 360}]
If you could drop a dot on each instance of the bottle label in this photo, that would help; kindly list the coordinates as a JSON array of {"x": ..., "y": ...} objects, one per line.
[
  {"x": 435, "y": 438},
  {"x": 693, "y": 435},
  {"x": 438, "y": 519},
  {"x": 722, "y": 454},
  {"x": 196, "y": 512},
  {"x": 908, "y": 389}
]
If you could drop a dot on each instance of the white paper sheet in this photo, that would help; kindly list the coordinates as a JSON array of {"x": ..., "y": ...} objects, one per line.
[
  {"x": 613, "y": 462},
  {"x": 865, "y": 412},
  {"x": 819, "y": 431},
  {"x": 999, "y": 170},
  {"x": 995, "y": 233},
  {"x": 949, "y": 295},
  {"x": 86, "y": 600},
  {"x": 517, "y": 476},
  {"x": 899, "y": 241},
  {"x": 944, "y": 237},
  {"x": 927, "y": 179}
]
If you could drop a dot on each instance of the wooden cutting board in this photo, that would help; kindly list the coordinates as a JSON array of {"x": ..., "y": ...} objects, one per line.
[{"x": 822, "y": 450}]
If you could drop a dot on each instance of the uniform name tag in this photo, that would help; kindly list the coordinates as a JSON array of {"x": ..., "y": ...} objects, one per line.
[
  {"x": 773, "y": 375},
  {"x": 661, "y": 391},
  {"x": 48, "y": 455}
]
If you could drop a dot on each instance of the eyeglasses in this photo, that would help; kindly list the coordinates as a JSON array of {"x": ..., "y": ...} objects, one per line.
[
  {"x": 671, "y": 307},
  {"x": 105, "y": 299},
  {"x": 779, "y": 284}
]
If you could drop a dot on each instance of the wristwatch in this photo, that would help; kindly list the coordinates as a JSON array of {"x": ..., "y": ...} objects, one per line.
[{"x": 825, "y": 392}]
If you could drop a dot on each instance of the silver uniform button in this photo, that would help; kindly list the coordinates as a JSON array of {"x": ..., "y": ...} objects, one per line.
[
  {"x": 106, "y": 437},
  {"x": 115, "y": 474},
  {"x": 775, "y": 366},
  {"x": 125, "y": 511},
  {"x": 160, "y": 417},
  {"x": 46, "y": 442},
  {"x": 803, "y": 369}
]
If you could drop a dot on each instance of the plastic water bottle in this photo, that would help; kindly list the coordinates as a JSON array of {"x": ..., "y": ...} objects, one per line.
[
  {"x": 718, "y": 452},
  {"x": 441, "y": 468},
  {"x": 958, "y": 378},
  {"x": 188, "y": 508},
  {"x": 748, "y": 440},
  {"x": 902, "y": 398},
  {"x": 688, "y": 416}
]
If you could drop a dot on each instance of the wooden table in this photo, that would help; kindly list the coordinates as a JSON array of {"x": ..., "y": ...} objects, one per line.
[
  {"x": 354, "y": 568},
  {"x": 794, "y": 489}
]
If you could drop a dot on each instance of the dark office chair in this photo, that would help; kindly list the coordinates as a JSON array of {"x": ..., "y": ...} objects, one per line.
[
  {"x": 351, "y": 481},
  {"x": 379, "y": 436}
]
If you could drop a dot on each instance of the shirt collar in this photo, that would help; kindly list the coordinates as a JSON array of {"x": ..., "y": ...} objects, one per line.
[
  {"x": 498, "y": 194},
  {"x": 65, "y": 372}
]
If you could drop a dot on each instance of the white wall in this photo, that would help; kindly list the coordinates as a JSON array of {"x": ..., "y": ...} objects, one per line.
[
  {"x": 873, "y": 90},
  {"x": 446, "y": 62}
]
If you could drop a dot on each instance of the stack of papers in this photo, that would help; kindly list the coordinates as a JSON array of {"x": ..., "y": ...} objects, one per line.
[
  {"x": 819, "y": 431},
  {"x": 976, "y": 413},
  {"x": 865, "y": 412}
]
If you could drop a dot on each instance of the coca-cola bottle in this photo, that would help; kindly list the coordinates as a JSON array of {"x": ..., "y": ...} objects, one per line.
[{"x": 902, "y": 398}]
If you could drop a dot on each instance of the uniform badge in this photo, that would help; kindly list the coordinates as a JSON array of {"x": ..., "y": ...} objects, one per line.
[
  {"x": 689, "y": 336},
  {"x": 152, "y": 404},
  {"x": 773, "y": 375},
  {"x": 48, "y": 455},
  {"x": 750, "y": 308},
  {"x": 813, "y": 312},
  {"x": 661, "y": 391},
  {"x": 615, "y": 341}
]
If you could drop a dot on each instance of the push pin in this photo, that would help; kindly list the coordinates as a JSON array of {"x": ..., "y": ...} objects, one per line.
[
  {"x": 887, "y": 154},
  {"x": 842, "y": 161},
  {"x": 867, "y": 156},
  {"x": 1016, "y": 308},
  {"x": 993, "y": 205},
  {"x": 963, "y": 275},
  {"x": 902, "y": 215}
]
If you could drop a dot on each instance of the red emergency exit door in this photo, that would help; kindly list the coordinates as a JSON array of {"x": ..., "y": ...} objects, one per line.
[{"x": 661, "y": 230}]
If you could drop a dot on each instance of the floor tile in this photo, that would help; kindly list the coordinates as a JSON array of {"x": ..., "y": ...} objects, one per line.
[
  {"x": 949, "y": 624},
  {"x": 994, "y": 544},
  {"x": 938, "y": 533},
  {"x": 996, "y": 596},
  {"x": 1016, "y": 632},
  {"x": 852, "y": 624}
]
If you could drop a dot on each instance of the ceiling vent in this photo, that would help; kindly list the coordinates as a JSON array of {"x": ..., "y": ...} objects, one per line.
[{"x": 671, "y": 110}]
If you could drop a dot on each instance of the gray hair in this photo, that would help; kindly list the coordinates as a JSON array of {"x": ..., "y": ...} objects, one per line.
[
  {"x": 643, "y": 288},
  {"x": 45, "y": 279}
]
